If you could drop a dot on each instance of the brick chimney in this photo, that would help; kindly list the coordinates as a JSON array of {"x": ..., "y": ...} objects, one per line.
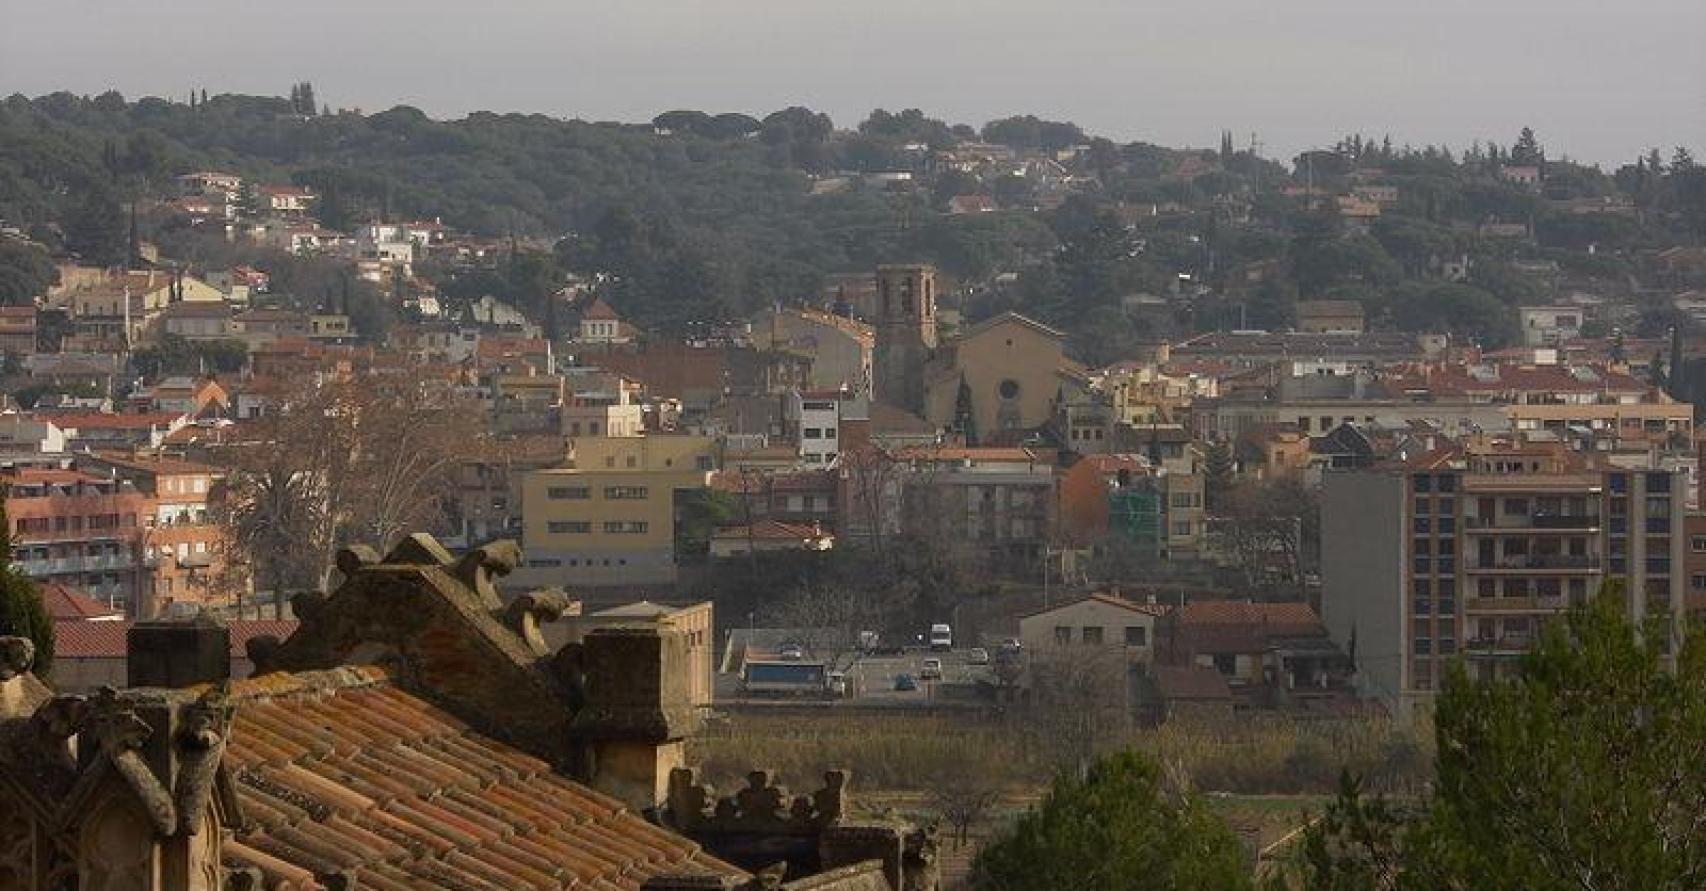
[
  {"x": 178, "y": 653},
  {"x": 637, "y": 712}
]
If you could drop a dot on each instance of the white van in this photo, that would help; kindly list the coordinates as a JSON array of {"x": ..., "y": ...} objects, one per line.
[{"x": 941, "y": 637}]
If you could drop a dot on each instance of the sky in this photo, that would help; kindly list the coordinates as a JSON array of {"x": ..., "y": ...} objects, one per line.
[{"x": 1598, "y": 81}]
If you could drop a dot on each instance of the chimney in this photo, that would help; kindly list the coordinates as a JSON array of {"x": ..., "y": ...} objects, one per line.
[
  {"x": 638, "y": 711},
  {"x": 182, "y": 653}
]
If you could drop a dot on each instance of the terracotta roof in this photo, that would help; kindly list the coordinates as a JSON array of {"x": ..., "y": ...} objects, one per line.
[
  {"x": 599, "y": 310},
  {"x": 341, "y": 771},
  {"x": 1148, "y": 609},
  {"x": 98, "y": 421},
  {"x": 106, "y": 640},
  {"x": 154, "y": 463},
  {"x": 1235, "y": 612},
  {"x": 65, "y": 605}
]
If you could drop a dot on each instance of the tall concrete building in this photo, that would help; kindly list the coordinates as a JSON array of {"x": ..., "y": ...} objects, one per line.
[
  {"x": 1466, "y": 553},
  {"x": 905, "y": 334}
]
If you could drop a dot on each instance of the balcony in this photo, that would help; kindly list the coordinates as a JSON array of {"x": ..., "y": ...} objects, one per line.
[
  {"x": 1535, "y": 523},
  {"x": 1568, "y": 563},
  {"x": 1508, "y": 643},
  {"x": 1522, "y": 604}
]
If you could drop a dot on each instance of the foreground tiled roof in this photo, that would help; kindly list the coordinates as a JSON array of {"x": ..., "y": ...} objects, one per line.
[{"x": 342, "y": 773}]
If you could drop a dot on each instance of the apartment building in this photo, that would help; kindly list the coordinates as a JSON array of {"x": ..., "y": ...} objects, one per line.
[
  {"x": 602, "y": 404},
  {"x": 1465, "y": 552},
  {"x": 180, "y": 541},
  {"x": 813, "y": 420},
  {"x": 990, "y": 504},
  {"x": 79, "y": 530},
  {"x": 608, "y": 517}
]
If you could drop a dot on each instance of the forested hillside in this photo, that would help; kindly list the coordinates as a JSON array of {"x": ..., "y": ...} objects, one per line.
[{"x": 699, "y": 216}]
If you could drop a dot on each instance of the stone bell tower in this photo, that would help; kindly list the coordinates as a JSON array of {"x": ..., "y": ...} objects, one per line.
[{"x": 906, "y": 333}]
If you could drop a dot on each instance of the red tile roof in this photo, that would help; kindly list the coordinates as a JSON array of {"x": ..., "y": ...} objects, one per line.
[
  {"x": 343, "y": 772},
  {"x": 106, "y": 640},
  {"x": 1148, "y": 609},
  {"x": 1235, "y": 612},
  {"x": 101, "y": 421},
  {"x": 65, "y": 605}
]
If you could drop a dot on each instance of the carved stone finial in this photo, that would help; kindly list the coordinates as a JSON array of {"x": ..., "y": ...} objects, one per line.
[
  {"x": 524, "y": 614},
  {"x": 353, "y": 558},
  {"x": 261, "y": 650},
  {"x": 17, "y": 654},
  {"x": 307, "y": 604},
  {"x": 478, "y": 567},
  {"x": 420, "y": 548}
]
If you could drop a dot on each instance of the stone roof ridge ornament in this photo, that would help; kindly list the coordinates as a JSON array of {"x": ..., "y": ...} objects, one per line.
[
  {"x": 524, "y": 614},
  {"x": 17, "y": 654},
  {"x": 477, "y": 568},
  {"x": 762, "y": 806}
]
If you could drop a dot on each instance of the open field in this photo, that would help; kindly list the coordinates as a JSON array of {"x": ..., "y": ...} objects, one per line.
[{"x": 1248, "y": 754}]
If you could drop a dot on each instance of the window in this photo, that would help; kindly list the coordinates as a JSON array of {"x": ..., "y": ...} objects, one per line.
[
  {"x": 1093, "y": 634},
  {"x": 1421, "y": 483},
  {"x": 1136, "y": 636},
  {"x": 1447, "y": 484},
  {"x": 626, "y": 527},
  {"x": 1658, "y": 482},
  {"x": 1422, "y": 526},
  {"x": 1182, "y": 527},
  {"x": 1063, "y": 634},
  {"x": 1619, "y": 482},
  {"x": 1697, "y": 581},
  {"x": 814, "y": 433},
  {"x": 625, "y": 493},
  {"x": 569, "y": 493},
  {"x": 1697, "y": 544},
  {"x": 569, "y": 526},
  {"x": 1009, "y": 389},
  {"x": 1423, "y": 646}
]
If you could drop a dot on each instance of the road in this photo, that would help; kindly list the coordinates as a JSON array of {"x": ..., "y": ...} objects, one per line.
[{"x": 872, "y": 677}]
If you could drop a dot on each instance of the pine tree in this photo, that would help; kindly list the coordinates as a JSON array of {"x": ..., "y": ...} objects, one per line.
[
  {"x": 309, "y": 106},
  {"x": 1219, "y": 465},
  {"x": 21, "y": 611}
]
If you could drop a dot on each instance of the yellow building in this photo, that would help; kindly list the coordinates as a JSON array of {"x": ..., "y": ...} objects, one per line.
[
  {"x": 609, "y": 517},
  {"x": 1013, "y": 369}
]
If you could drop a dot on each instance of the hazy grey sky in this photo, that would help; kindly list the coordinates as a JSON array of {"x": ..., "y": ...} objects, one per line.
[{"x": 1597, "y": 79}]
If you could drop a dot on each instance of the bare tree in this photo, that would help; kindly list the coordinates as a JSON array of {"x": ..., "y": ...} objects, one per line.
[
  {"x": 828, "y": 620},
  {"x": 1079, "y": 702},
  {"x": 411, "y": 434},
  {"x": 277, "y": 504},
  {"x": 962, "y": 794},
  {"x": 1267, "y": 530},
  {"x": 873, "y": 478}
]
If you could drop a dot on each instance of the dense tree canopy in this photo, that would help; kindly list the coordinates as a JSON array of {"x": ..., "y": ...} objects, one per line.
[
  {"x": 1581, "y": 771},
  {"x": 1118, "y": 827}
]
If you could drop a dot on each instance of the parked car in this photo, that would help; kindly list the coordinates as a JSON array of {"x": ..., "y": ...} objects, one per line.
[
  {"x": 905, "y": 683},
  {"x": 792, "y": 652},
  {"x": 978, "y": 656},
  {"x": 931, "y": 671}
]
